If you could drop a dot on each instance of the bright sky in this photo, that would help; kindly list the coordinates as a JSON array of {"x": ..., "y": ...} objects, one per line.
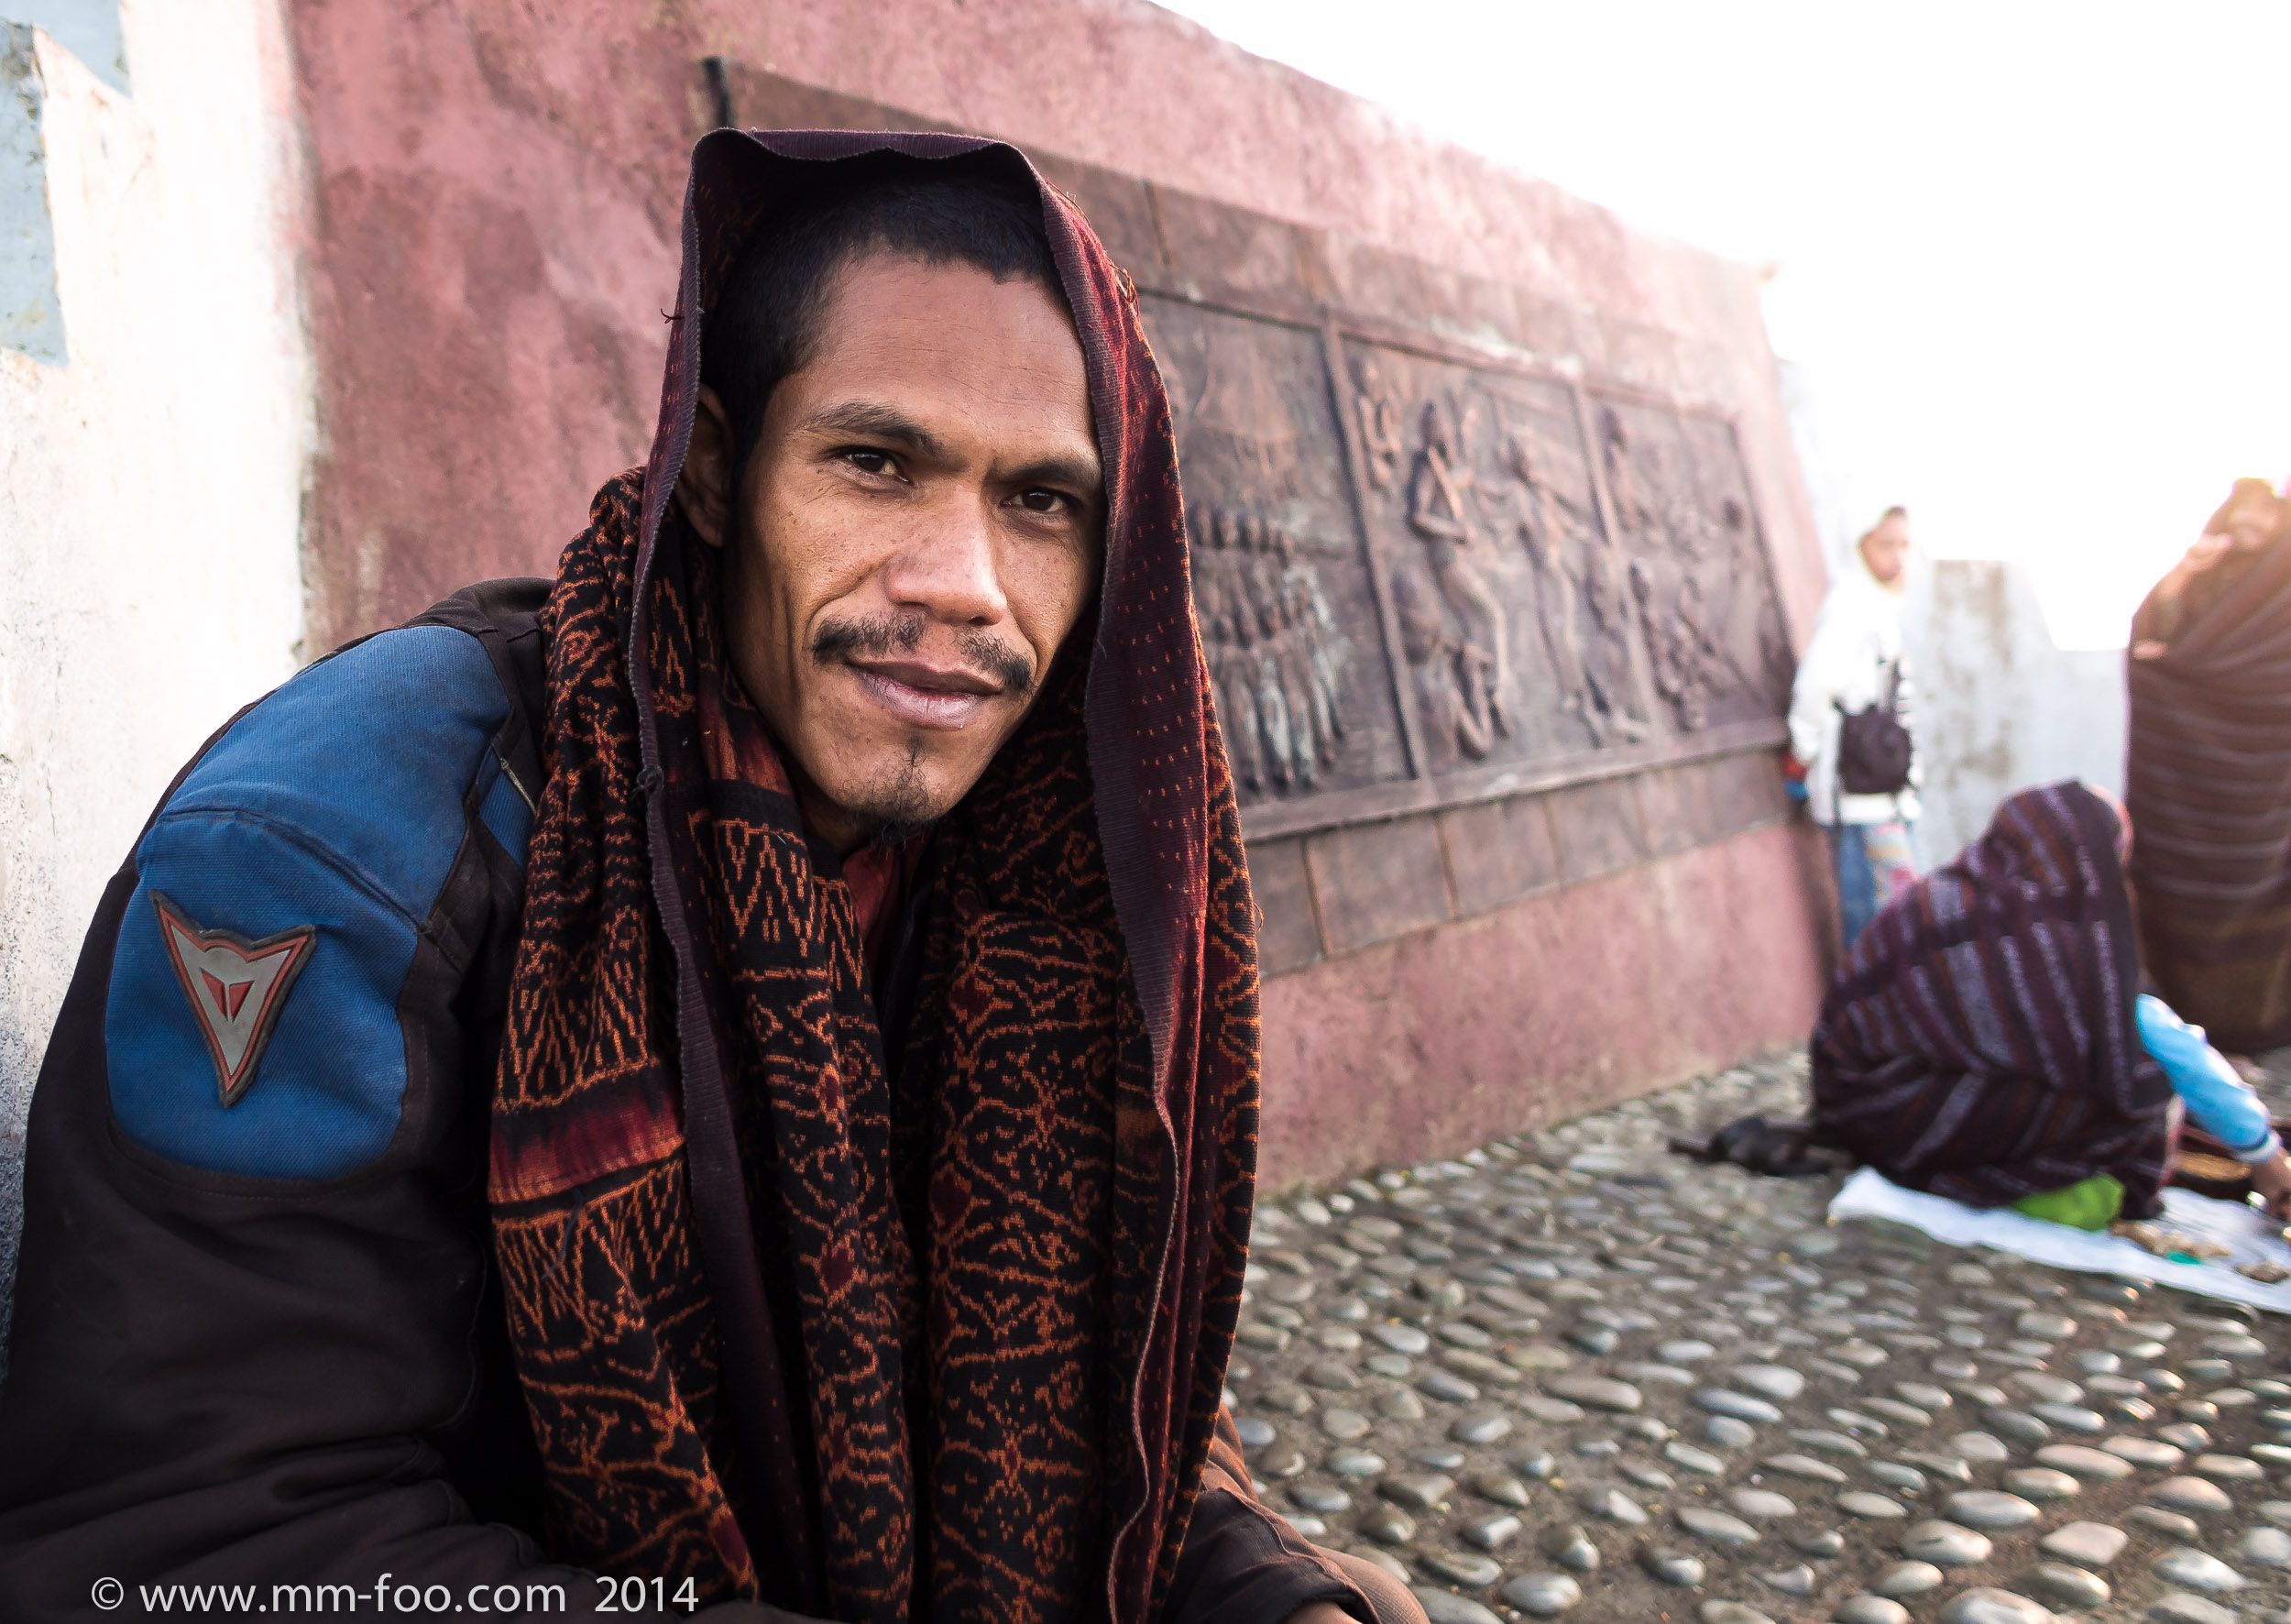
[{"x": 2030, "y": 259}]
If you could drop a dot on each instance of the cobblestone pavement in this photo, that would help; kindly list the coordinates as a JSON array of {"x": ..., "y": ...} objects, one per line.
[{"x": 1573, "y": 1374}]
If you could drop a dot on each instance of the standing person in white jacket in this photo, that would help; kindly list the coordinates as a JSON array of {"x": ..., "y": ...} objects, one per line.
[{"x": 1853, "y": 663}]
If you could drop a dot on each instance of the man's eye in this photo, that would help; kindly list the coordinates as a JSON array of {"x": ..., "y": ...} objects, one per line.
[
  {"x": 870, "y": 462},
  {"x": 1044, "y": 502}
]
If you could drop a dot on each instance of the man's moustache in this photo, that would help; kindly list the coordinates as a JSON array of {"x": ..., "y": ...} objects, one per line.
[{"x": 877, "y": 636}]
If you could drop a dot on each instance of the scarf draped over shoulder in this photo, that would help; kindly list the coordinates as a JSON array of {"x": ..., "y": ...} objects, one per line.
[
  {"x": 2207, "y": 779},
  {"x": 1980, "y": 1041},
  {"x": 939, "y": 1333}
]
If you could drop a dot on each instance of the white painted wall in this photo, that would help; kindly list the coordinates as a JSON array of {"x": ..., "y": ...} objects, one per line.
[
  {"x": 151, "y": 484},
  {"x": 1999, "y": 708}
]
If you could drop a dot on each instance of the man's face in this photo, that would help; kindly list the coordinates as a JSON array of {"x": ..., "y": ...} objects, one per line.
[
  {"x": 914, "y": 535},
  {"x": 1886, "y": 549}
]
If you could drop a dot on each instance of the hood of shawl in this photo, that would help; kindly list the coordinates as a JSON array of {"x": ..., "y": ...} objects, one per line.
[{"x": 1144, "y": 688}]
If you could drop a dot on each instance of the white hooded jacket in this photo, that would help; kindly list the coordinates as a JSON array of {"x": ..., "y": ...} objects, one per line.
[{"x": 1856, "y": 647}]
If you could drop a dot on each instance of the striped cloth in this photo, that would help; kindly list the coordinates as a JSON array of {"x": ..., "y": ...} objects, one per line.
[
  {"x": 1980, "y": 1041},
  {"x": 2208, "y": 780}
]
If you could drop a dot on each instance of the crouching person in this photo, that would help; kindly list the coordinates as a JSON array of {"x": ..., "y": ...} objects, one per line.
[
  {"x": 734, "y": 1071},
  {"x": 1988, "y": 1039}
]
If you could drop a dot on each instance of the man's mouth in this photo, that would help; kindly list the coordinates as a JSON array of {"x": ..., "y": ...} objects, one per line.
[{"x": 923, "y": 695}]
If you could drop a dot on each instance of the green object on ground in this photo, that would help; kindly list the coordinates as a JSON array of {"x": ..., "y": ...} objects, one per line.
[{"x": 2089, "y": 1203}]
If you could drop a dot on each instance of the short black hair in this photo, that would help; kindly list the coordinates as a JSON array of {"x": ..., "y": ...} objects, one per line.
[{"x": 766, "y": 320}]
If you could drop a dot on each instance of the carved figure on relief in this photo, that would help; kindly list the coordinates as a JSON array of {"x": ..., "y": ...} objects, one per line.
[
  {"x": 1442, "y": 510},
  {"x": 1383, "y": 444},
  {"x": 1590, "y": 663},
  {"x": 1449, "y": 672},
  {"x": 1275, "y": 655}
]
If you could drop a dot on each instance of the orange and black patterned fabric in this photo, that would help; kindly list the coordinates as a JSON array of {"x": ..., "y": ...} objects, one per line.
[{"x": 943, "y": 1338}]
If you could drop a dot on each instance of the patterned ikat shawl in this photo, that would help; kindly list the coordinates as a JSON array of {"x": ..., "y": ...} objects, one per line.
[
  {"x": 1980, "y": 1040},
  {"x": 943, "y": 1339},
  {"x": 2209, "y": 781}
]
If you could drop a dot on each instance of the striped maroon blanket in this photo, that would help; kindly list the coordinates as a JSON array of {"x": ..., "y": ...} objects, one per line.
[
  {"x": 2208, "y": 778},
  {"x": 1979, "y": 1042}
]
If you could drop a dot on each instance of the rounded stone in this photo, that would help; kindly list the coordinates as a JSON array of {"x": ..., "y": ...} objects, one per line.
[
  {"x": 2073, "y": 1586},
  {"x": 1894, "y": 1474},
  {"x": 1805, "y": 1465},
  {"x": 1728, "y": 1432},
  {"x": 2071, "y": 1418},
  {"x": 1317, "y": 1497},
  {"x": 2170, "y": 1524},
  {"x": 1481, "y": 1428},
  {"x": 1778, "y": 1382},
  {"x": 1599, "y": 1392},
  {"x": 1716, "y": 1526},
  {"x": 1445, "y": 1606},
  {"x": 1944, "y": 1544},
  {"x": 1822, "y": 1544},
  {"x": 1724, "y": 1401},
  {"x": 1254, "y": 1434},
  {"x": 2227, "y": 1468},
  {"x": 1447, "y": 1389},
  {"x": 1387, "y": 1525},
  {"x": 1907, "y": 1578},
  {"x": 1612, "y": 1504},
  {"x": 1869, "y": 1609},
  {"x": 1401, "y": 1339},
  {"x": 1761, "y": 1503},
  {"x": 1874, "y": 1506},
  {"x": 1460, "y": 1567},
  {"x": 2142, "y": 1451},
  {"x": 1990, "y": 1606},
  {"x": 1691, "y": 1459},
  {"x": 2198, "y": 1570},
  {"x": 2269, "y": 1547},
  {"x": 2191, "y": 1494},
  {"x": 1543, "y": 1596},
  {"x": 1979, "y": 1446},
  {"x": 1344, "y": 1425},
  {"x": 1401, "y": 1406},
  {"x": 2176, "y": 1607},
  {"x": 1331, "y": 1375},
  {"x": 2042, "y": 1483},
  {"x": 1354, "y": 1463},
  {"x": 1988, "y": 1508},
  {"x": 1729, "y": 1612},
  {"x": 1490, "y": 1533},
  {"x": 1683, "y": 1352},
  {"x": 2016, "y": 1425},
  {"x": 1418, "y": 1491},
  {"x": 2079, "y": 1462},
  {"x": 1791, "y": 1581},
  {"x": 1571, "y": 1548},
  {"x": 2088, "y": 1544},
  {"x": 1673, "y": 1567}
]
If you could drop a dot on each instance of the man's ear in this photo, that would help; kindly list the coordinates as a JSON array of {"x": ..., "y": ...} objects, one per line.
[{"x": 703, "y": 488}]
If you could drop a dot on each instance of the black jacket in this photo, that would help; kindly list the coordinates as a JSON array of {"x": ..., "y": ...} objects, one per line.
[{"x": 257, "y": 1340}]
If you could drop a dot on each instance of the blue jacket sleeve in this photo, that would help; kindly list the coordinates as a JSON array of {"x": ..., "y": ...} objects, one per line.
[{"x": 2216, "y": 1099}]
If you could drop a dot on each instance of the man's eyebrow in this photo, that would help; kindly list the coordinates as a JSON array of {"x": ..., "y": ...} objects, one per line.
[
  {"x": 1075, "y": 472},
  {"x": 877, "y": 422}
]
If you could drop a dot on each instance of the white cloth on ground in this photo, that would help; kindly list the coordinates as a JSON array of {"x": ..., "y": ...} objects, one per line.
[{"x": 2250, "y": 1235}]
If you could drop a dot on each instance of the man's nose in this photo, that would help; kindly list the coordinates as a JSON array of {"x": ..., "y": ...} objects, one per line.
[{"x": 950, "y": 567}]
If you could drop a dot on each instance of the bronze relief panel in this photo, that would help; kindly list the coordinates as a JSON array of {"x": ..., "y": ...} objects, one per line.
[
  {"x": 1697, "y": 565},
  {"x": 1283, "y": 594}
]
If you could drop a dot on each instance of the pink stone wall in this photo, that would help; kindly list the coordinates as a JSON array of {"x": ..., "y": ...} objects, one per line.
[
  {"x": 494, "y": 192},
  {"x": 1447, "y": 1037}
]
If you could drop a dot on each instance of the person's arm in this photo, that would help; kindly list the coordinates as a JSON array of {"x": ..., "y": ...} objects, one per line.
[
  {"x": 1813, "y": 694},
  {"x": 2217, "y": 1100},
  {"x": 1243, "y": 1564},
  {"x": 250, "y": 1339}
]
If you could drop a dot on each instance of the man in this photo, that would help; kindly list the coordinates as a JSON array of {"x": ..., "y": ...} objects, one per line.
[
  {"x": 1854, "y": 665},
  {"x": 735, "y": 1071}
]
